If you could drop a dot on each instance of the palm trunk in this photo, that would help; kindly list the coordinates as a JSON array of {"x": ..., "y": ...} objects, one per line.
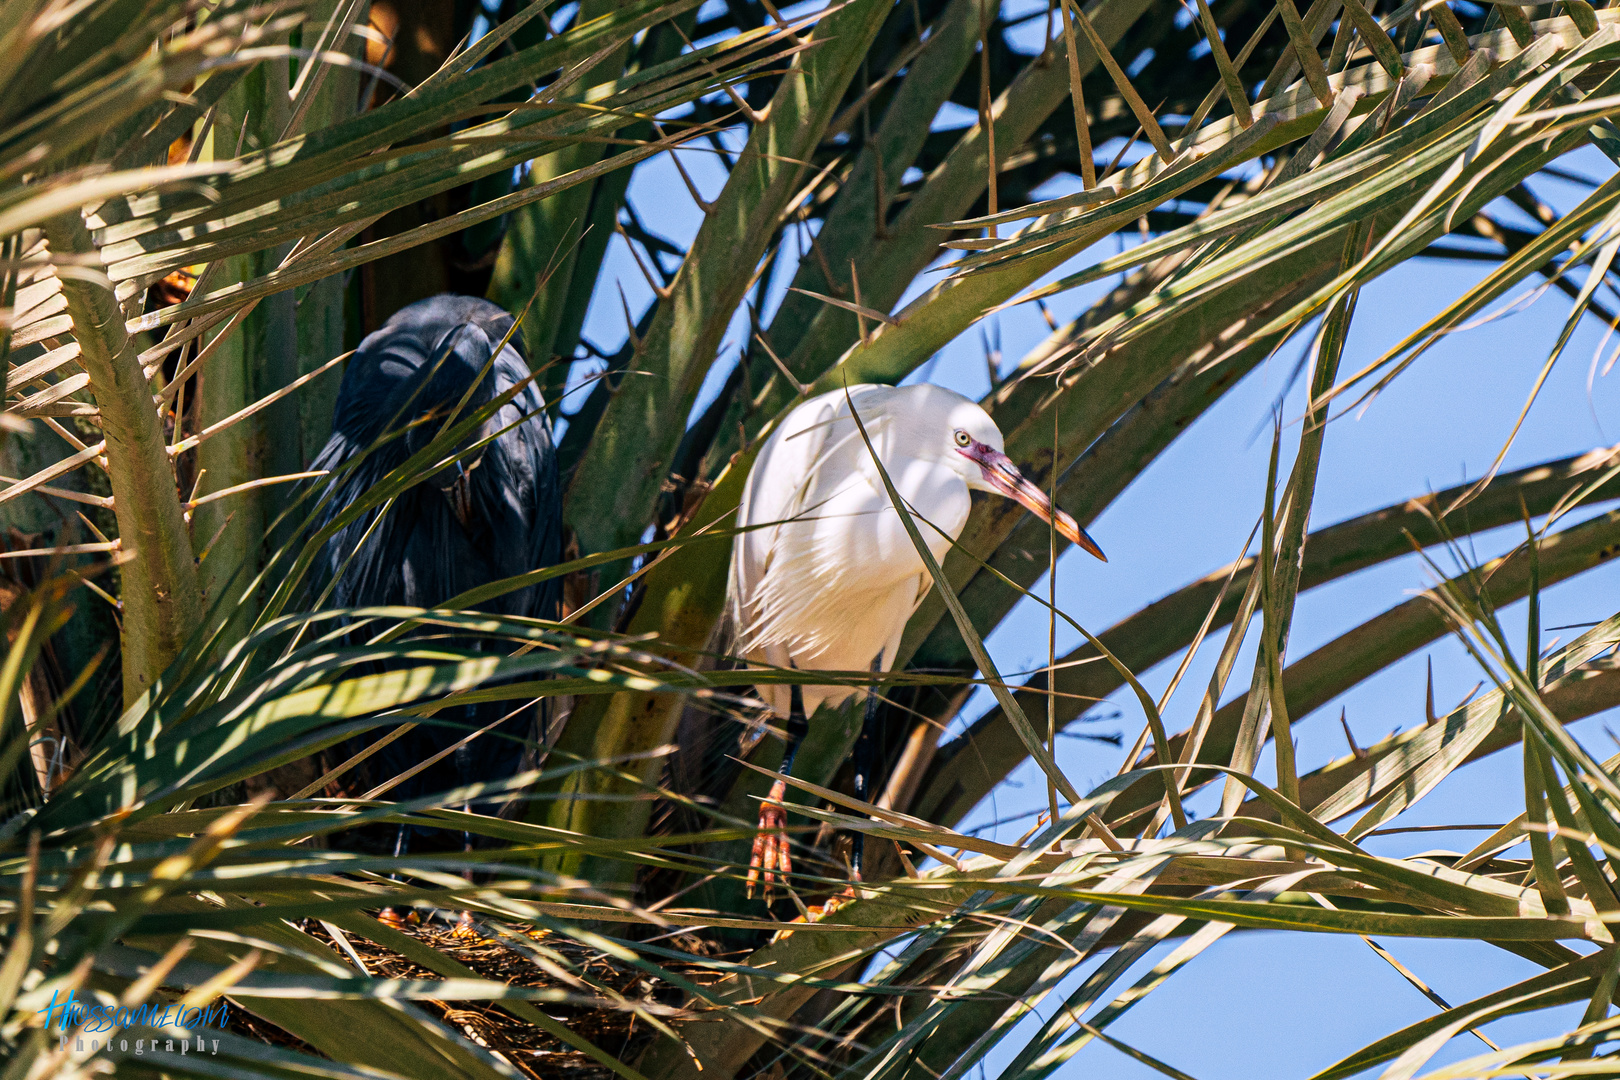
[
  {"x": 228, "y": 531},
  {"x": 161, "y": 599},
  {"x": 257, "y": 357}
]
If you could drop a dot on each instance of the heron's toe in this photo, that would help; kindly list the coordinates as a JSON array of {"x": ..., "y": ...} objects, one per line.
[
  {"x": 770, "y": 857},
  {"x": 817, "y": 912}
]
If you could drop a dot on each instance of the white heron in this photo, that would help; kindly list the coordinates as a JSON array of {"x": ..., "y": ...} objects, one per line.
[{"x": 830, "y": 586}]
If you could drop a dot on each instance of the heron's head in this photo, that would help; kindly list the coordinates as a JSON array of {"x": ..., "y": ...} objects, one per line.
[
  {"x": 971, "y": 444},
  {"x": 452, "y": 384}
]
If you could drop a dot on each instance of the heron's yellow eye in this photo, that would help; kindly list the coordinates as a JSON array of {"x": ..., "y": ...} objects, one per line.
[{"x": 963, "y": 438}]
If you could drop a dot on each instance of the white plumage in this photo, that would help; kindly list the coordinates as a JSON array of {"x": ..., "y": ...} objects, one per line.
[
  {"x": 832, "y": 583},
  {"x": 830, "y": 576}
]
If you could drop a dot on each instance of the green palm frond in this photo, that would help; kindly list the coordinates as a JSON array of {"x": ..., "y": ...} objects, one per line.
[{"x": 205, "y": 203}]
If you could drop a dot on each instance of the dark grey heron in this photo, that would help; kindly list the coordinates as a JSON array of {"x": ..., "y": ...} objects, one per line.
[{"x": 494, "y": 513}]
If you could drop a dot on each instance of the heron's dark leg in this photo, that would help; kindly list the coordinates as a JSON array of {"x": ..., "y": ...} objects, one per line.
[
  {"x": 770, "y": 855},
  {"x": 466, "y": 773},
  {"x": 390, "y": 915},
  {"x": 798, "y": 726},
  {"x": 464, "y": 924},
  {"x": 865, "y": 765}
]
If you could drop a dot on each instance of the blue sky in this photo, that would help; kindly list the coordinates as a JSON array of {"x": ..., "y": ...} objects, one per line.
[{"x": 1263, "y": 1003}]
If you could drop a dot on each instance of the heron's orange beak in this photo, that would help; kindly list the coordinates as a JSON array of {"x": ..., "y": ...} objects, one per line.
[{"x": 1001, "y": 474}]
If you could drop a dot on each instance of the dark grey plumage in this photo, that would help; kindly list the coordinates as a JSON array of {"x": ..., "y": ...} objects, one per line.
[{"x": 495, "y": 515}]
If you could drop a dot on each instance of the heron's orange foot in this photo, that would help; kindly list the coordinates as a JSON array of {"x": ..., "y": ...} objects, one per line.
[
  {"x": 464, "y": 927},
  {"x": 816, "y": 912},
  {"x": 770, "y": 856},
  {"x": 835, "y": 902}
]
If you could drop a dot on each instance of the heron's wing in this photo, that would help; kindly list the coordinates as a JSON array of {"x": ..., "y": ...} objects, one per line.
[
  {"x": 355, "y": 550},
  {"x": 788, "y": 478},
  {"x": 804, "y": 482},
  {"x": 516, "y": 507},
  {"x": 775, "y": 492},
  {"x": 546, "y": 532}
]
